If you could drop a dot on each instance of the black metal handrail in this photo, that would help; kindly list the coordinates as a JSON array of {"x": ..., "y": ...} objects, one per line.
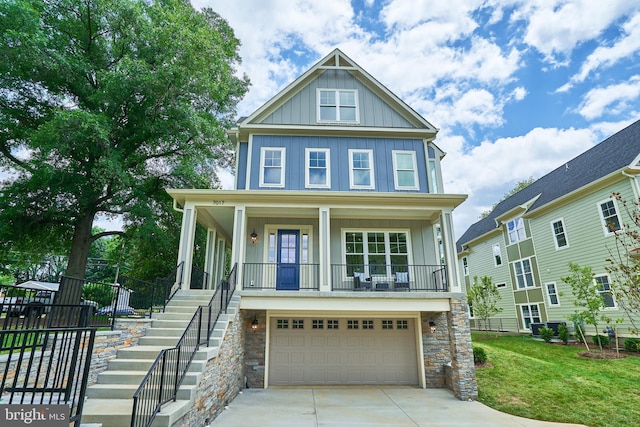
[
  {"x": 389, "y": 278},
  {"x": 257, "y": 275},
  {"x": 171, "y": 284}
]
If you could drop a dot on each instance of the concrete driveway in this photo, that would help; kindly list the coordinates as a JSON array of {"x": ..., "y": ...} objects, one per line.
[{"x": 362, "y": 406}]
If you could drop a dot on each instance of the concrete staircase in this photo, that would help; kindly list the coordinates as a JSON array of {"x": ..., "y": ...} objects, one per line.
[{"x": 109, "y": 402}]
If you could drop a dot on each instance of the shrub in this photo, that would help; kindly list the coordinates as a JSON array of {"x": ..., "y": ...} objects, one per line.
[
  {"x": 563, "y": 333},
  {"x": 632, "y": 344},
  {"x": 546, "y": 334},
  {"x": 604, "y": 339},
  {"x": 479, "y": 356}
]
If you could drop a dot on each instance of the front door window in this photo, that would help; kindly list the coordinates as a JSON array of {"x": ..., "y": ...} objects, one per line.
[{"x": 288, "y": 261}]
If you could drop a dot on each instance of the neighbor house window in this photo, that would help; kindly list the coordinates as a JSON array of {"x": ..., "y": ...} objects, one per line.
[
  {"x": 609, "y": 215},
  {"x": 433, "y": 175},
  {"x": 559, "y": 235},
  {"x": 530, "y": 314},
  {"x": 337, "y": 105},
  {"x": 604, "y": 289},
  {"x": 552, "y": 294},
  {"x": 497, "y": 255},
  {"x": 317, "y": 173},
  {"x": 379, "y": 253},
  {"x": 515, "y": 228},
  {"x": 272, "y": 167},
  {"x": 361, "y": 169},
  {"x": 405, "y": 170},
  {"x": 523, "y": 273},
  {"x": 465, "y": 266}
]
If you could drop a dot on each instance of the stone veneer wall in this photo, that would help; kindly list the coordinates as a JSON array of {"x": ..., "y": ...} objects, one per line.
[
  {"x": 222, "y": 380},
  {"x": 255, "y": 347}
]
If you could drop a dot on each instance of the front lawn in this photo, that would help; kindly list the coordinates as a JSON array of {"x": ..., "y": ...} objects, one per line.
[{"x": 549, "y": 382}]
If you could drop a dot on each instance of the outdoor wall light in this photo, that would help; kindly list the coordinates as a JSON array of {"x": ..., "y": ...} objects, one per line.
[
  {"x": 432, "y": 326},
  {"x": 254, "y": 236},
  {"x": 255, "y": 323}
]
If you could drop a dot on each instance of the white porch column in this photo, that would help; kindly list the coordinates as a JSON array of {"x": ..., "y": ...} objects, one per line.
[
  {"x": 220, "y": 259},
  {"x": 209, "y": 258},
  {"x": 187, "y": 242},
  {"x": 450, "y": 258},
  {"x": 324, "y": 243},
  {"x": 239, "y": 240}
]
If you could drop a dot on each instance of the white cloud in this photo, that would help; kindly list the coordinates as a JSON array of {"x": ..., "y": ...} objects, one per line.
[{"x": 610, "y": 99}]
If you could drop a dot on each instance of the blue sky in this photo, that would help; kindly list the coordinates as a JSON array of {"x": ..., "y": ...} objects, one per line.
[{"x": 516, "y": 88}]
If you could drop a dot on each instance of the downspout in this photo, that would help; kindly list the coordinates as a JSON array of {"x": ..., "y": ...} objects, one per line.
[{"x": 176, "y": 208}]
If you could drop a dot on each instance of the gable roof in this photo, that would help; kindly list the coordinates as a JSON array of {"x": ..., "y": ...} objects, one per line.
[
  {"x": 336, "y": 60},
  {"x": 611, "y": 156}
]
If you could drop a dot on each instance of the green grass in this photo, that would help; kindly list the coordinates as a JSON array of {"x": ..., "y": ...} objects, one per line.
[
  {"x": 17, "y": 340},
  {"x": 548, "y": 382}
]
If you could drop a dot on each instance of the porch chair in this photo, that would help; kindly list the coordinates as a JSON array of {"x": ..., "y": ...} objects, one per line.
[
  {"x": 360, "y": 282},
  {"x": 401, "y": 282}
]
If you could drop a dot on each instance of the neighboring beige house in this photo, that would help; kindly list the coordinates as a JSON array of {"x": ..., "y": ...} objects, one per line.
[
  {"x": 341, "y": 239},
  {"x": 528, "y": 240}
]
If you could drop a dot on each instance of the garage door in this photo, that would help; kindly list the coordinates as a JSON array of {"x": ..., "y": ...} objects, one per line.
[{"x": 337, "y": 351}]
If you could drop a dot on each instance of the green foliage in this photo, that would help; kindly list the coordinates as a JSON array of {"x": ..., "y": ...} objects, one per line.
[
  {"x": 110, "y": 102},
  {"x": 563, "y": 333},
  {"x": 6, "y": 279},
  {"x": 546, "y": 334},
  {"x": 479, "y": 356},
  {"x": 100, "y": 293},
  {"x": 601, "y": 340},
  {"x": 632, "y": 344},
  {"x": 588, "y": 301},
  {"x": 484, "y": 296}
]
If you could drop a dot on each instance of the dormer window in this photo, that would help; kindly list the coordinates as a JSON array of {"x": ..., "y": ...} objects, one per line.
[{"x": 337, "y": 105}]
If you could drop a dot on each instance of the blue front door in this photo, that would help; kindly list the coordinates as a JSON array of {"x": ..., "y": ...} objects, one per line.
[{"x": 288, "y": 263}]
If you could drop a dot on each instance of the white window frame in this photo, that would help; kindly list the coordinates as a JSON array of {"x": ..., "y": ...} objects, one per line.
[
  {"x": 397, "y": 186},
  {"x": 555, "y": 235},
  {"x": 352, "y": 184},
  {"x": 307, "y": 159},
  {"x": 388, "y": 254},
  {"x": 521, "y": 262},
  {"x": 497, "y": 254},
  {"x": 605, "y": 291},
  {"x": 433, "y": 176},
  {"x": 550, "y": 294},
  {"x": 519, "y": 233},
  {"x": 337, "y": 105},
  {"x": 606, "y": 230},
  {"x": 465, "y": 265},
  {"x": 531, "y": 316},
  {"x": 283, "y": 153}
]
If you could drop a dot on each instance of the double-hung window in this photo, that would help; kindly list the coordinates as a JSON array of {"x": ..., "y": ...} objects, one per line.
[
  {"x": 523, "y": 273},
  {"x": 604, "y": 289},
  {"x": 376, "y": 253},
  {"x": 609, "y": 216},
  {"x": 559, "y": 234},
  {"x": 338, "y": 105},
  {"x": 552, "y": 294},
  {"x": 272, "y": 162},
  {"x": 465, "y": 266},
  {"x": 405, "y": 170},
  {"x": 317, "y": 173},
  {"x": 516, "y": 231},
  {"x": 530, "y": 314},
  {"x": 361, "y": 169},
  {"x": 497, "y": 255}
]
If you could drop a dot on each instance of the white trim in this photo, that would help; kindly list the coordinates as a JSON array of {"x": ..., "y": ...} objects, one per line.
[
  {"x": 337, "y": 105},
  {"x": 555, "y": 237},
  {"x": 386, "y": 231},
  {"x": 537, "y": 305},
  {"x": 371, "y": 185},
  {"x": 397, "y": 186},
  {"x": 495, "y": 255},
  {"x": 515, "y": 230},
  {"x": 602, "y": 220},
  {"x": 247, "y": 181},
  {"x": 283, "y": 156},
  {"x": 465, "y": 265},
  {"x": 557, "y": 295},
  {"x": 515, "y": 274},
  {"x": 307, "y": 167},
  {"x": 615, "y": 304}
]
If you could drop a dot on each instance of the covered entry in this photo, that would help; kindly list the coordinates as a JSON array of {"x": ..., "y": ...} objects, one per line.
[{"x": 342, "y": 351}]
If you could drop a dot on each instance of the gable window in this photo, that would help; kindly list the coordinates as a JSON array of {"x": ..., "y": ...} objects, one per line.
[
  {"x": 515, "y": 228},
  {"x": 361, "y": 169},
  {"x": 552, "y": 294},
  {"x": 524, "y": 276},
  {"x": 497, "y": 255},
  {"x": 337, "y": 105},
  {"x": 405, "y": 175},
  {"x": 559, "y": 235},
  {"x": 604, "y": 289},
  {"x": 317, "y": 173},
  {"x": 272, "y": 167},
  {"x": 465, "y": 266},
  {"x": 609, "y": 215},
  {"x": 381, "y": 253},
  {"x": 530, "y": 314}
]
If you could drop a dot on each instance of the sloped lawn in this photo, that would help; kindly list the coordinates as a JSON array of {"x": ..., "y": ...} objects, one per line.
[{"x": 550, "y": 382}]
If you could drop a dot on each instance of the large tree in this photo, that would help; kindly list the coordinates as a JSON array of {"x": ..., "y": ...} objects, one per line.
[{"x": 104, "y": 104}]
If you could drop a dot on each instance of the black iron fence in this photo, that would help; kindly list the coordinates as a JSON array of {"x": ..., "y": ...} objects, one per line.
[
  {"x": 381, "y": 277},
  {"x": 171, "y": 284},
  {"x": 505, "y": 324},
  {"x": 199, "y": 278},
  {"x": 274, "y": 275}
]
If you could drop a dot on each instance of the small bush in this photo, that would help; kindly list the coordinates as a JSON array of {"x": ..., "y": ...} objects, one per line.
[
  {"x": 563, "y": 333},
  {"x": 546, "y": 334},
  {"x": 604, "y": 339},
  {"x": 632, "y": 344},
  {"x": 479, "y": 356}
]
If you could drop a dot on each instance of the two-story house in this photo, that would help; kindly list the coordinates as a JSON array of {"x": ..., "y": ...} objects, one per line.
[
  {"x": 341, "y": 239},
  {"x": 569, "y": 215}
]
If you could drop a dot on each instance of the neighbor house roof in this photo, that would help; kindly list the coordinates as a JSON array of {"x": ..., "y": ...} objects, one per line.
[{"x": 616, "y": 153}]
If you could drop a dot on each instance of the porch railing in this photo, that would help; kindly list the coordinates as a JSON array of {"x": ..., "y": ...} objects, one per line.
[
  {"x": 505, "y": 324},
  {"x": 380, "y": 277},
  {"x": 270, "y": 276}
]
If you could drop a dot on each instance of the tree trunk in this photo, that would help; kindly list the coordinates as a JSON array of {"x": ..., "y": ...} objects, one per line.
[{"x": 80, "y": 245}]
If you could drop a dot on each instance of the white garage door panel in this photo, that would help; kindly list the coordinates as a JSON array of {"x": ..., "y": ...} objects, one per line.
[{"x": 343, "y": 356}]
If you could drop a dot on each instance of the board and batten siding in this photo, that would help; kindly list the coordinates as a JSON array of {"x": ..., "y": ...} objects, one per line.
[
  {"x": 339, "y": 160},
  {"x": 301, "y": 108},
  {"x": 257, "y": 253}
]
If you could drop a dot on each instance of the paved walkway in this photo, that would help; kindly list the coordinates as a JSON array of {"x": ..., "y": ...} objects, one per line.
[{"x": 362, "y": 406}]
